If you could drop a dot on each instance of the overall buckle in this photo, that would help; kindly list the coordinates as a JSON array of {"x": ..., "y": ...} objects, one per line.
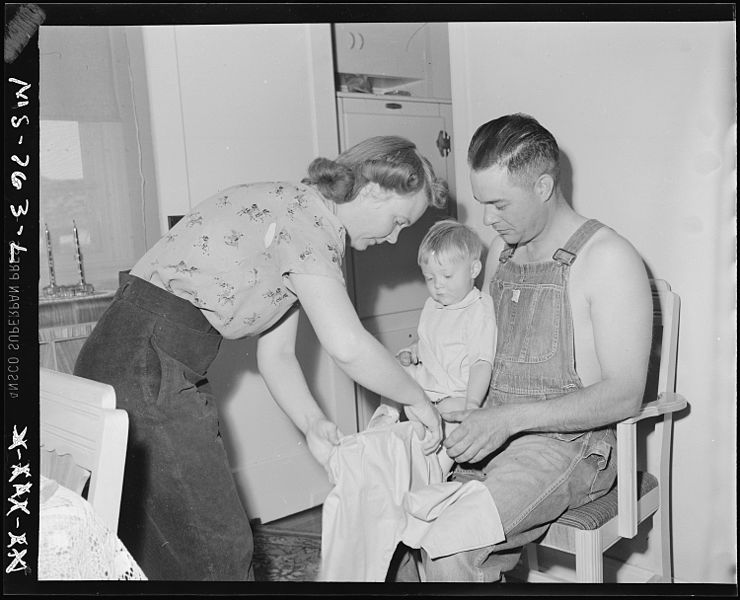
[{"x": 564, "y": 257}]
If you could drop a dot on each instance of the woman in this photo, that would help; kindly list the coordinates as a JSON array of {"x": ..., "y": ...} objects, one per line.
[{"x": 240, "y": 264}]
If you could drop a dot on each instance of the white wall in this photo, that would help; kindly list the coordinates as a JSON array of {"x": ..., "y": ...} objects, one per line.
[
  {"x": 236, "y": 104},
  {"x": 645, "y": 114}
]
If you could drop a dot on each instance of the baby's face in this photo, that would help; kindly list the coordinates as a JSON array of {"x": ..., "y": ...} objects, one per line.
[{"x": 449, "y": 281}]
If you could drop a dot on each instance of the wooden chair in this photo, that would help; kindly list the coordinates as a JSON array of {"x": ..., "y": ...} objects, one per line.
[
  {"x": 83, "y": 440},
  {"x": 591, "y": 529}
]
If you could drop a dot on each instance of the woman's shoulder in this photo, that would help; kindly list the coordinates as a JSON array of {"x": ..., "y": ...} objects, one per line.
[
  {"x": 278, "y": 199},
  {"x": 266, "y": 188}
]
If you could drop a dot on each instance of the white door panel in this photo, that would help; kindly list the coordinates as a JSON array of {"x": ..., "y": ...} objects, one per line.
[
  {"x": 387, "y": 286},
  {"x": 386, "y": 277},
  {"x": 231, "y": 106}
]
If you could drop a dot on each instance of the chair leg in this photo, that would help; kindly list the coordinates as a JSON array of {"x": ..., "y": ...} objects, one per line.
[
  {"x": 589, "y": 557},
  {"x": 662, "y": 518},
  {"x": 662, "y": 537}
]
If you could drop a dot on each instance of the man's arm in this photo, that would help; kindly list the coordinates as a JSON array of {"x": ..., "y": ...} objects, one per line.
[{"x": 620, "y": 312}]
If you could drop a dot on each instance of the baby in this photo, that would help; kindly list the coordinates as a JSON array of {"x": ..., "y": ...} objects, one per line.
[{"x": 453, "y": 357}]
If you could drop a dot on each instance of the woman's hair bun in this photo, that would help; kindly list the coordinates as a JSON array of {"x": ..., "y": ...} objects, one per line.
[{"x": 333, "y": 180}]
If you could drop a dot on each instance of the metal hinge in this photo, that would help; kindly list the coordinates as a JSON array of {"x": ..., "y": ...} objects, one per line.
[{"x": 443, "y": 143}]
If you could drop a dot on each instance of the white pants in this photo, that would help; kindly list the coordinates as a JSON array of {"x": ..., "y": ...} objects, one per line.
[{"x": 388, "y": 491}]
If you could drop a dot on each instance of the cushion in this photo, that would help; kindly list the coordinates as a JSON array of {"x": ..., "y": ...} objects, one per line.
[{"x": 595, "y": 514}]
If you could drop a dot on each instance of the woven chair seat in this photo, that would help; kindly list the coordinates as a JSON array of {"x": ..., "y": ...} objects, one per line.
[{"x": 597, "y": 513}]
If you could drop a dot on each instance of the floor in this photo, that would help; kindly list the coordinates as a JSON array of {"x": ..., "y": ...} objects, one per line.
[
  {"x": 288, "y": 549},
  {"x": 307, "y": 523}
]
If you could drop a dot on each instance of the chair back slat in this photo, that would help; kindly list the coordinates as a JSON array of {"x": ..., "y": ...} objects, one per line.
[
  {"x": 666, "y": 316},
  {"x": 80, "y": 423},
  {"x": 661, "y": 379},
  {"x": 660, "y": 401}
]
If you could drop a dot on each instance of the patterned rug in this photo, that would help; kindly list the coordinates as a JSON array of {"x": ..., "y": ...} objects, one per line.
[{"x": 286, "y": 556}]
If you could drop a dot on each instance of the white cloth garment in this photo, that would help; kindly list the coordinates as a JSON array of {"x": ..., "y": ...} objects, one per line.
[
  {"x": 451, "y": 340},
  {"x": 388, "y": 491}
]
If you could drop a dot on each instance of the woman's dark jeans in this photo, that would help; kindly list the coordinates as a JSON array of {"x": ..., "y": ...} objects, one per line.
[{"x": 181, "y": 516}]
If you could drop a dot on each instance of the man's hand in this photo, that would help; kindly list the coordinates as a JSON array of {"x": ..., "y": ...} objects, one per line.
[{"x": 480, "y": 432}]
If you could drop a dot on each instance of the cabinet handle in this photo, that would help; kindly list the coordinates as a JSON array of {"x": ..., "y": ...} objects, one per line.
[
  {"x": 352, "y": 40},
  {"x": 393, "y": 105},
  {"x": 443, "y": 143},
  {"x": 362, "y": 41}
]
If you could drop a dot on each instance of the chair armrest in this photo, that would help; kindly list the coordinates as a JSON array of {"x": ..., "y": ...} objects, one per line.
[{"x": 667, "y": 402}]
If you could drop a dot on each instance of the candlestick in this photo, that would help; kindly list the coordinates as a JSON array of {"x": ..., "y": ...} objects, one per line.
[
  {"x": 78, "y": 255},
  {"x": 82, "y": 287},
  {"x": 51, "y": 289},
  {"x": 50, "y": 256}
]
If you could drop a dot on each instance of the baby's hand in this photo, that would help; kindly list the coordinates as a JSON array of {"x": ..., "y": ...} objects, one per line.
[
  {"x": 404, "y": 357},
  {"x": 452, "y": 403},
  {"x": 407, "y": 356}
]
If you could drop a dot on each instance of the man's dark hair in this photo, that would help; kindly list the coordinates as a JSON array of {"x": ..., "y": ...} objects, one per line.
[{"x": 517, "y": 143}]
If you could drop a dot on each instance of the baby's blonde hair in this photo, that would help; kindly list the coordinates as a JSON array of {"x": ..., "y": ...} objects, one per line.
[{"x": 450, "y": 239}]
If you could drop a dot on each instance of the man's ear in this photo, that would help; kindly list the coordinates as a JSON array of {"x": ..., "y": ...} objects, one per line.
[
  {"x": 544, "y": 186},
  {"x": 475, "y": 268}
]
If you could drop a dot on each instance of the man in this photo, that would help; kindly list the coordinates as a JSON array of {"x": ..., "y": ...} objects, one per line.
[{"x": 574, "y": 316}]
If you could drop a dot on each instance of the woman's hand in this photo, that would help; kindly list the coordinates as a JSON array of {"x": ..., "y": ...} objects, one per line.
[
  {"x": 426, "y": 414},
  {"x": 322, "y": 436}
]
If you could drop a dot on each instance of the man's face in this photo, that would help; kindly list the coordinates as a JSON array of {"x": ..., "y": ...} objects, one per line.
[{"x": 512, "y": 210}]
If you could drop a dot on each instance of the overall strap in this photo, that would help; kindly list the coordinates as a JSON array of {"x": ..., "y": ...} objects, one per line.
[{"x": 567, "y": 254}]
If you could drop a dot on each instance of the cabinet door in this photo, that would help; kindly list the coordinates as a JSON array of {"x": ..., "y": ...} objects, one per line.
[
  {"x": 388, "y": 289},
  {"x": 394, "y": 331},
  {"x": 386, "y": 277},
  {"x": 382, "y": 49}
]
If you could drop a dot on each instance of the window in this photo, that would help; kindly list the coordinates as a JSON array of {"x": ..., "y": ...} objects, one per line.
[{"x": 95, "y": 167}]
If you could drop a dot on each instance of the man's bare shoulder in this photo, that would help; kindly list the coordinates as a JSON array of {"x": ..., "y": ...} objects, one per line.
[
  {"x": 607, "y": 247},
  {"x": 607, "y": 260}
]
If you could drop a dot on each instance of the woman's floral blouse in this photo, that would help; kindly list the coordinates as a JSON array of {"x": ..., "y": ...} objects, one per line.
[{"x": 230, "y": 255}]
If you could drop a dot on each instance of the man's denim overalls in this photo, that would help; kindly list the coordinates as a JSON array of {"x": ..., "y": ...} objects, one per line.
[{"x": 535, "y": 477}]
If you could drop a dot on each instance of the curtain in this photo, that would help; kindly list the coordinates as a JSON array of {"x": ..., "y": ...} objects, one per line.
[{"x": 90, "y": 156}]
